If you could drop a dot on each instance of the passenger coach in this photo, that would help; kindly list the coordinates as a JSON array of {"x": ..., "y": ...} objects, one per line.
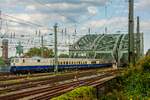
[{"x": 48, "y": 64}]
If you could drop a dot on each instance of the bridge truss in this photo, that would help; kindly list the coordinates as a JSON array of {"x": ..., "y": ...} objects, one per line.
[{"x": 108, "y": 47}]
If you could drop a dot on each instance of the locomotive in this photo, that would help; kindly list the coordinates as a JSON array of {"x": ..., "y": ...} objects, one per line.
[{"x": 19, "y": 65}]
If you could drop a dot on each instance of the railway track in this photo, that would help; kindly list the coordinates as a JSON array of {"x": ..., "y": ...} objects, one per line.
[
  {"x": 9, "y": 76},
  {"x": 52, "y": 90},
  {"x": 5, "y": 76},
  {"x": 42, "y": 77},
  {"x": 51, "y": 80},
  {"x": 60, "y": 90},
  {"x": 54, "y": 77},
  {"x": 5, "y": 73}
]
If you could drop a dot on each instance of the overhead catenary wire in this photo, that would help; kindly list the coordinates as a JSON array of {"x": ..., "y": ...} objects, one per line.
[
  {"x": 0, "y": 20},
  {"x": 22, "y": 21}
]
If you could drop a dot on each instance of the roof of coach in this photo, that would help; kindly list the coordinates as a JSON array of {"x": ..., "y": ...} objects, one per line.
[{"x": 36, "y": 58}]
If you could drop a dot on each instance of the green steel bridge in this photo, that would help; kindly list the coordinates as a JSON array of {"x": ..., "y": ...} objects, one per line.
[{"x": 108, "y": 47}]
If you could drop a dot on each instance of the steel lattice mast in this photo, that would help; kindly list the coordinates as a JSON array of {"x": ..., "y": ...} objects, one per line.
[{"x": 131, "y": 49}]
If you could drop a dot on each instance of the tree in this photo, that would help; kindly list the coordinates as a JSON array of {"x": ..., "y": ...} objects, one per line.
[
  {"x": 64, "y": 56},
  {"x": 2, "y": 62},
  {"x": 47, "y": 53},
  {"x": 148, "y": 53}
]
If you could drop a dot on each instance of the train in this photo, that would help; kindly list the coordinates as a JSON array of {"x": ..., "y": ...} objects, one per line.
[{"x": 23, "y": 65}]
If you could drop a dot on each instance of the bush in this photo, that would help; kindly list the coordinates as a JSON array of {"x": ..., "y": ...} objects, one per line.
[
  {"x": 144, "y": 64},
  {"x": 81, "y": 93},
  {"x": 133, "y": 83}
]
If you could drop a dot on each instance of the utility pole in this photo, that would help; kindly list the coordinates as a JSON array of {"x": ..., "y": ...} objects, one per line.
[
  {"x": 55, "y": 44},
  {"x": 42, "y": 45},
  {"x": 89, "y": 31},
  {"x": 142, "y": 44},
  {"x": 131, "y": 48},
  {"x": 138, "y": 40},
  {"x": 0, "y": 20}
]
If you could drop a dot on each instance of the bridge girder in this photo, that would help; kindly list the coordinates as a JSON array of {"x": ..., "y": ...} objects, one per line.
[{"x": 112, "y": 47}]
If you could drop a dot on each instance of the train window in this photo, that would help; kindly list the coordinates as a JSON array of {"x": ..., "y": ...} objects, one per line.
[
  {"x": 16, "y": 60},
  {"x": 23, "y": 60},
  {"x": 38, "y": 60},
  {"x": 12, "y": 60},
  {"x": 66, "y": 62},
  {"x": 93, "y": 62}
]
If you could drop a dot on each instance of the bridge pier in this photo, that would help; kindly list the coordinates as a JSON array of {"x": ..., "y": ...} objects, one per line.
[
  {"x": 115, "y": 65},
  {"x": 103, "y": 89},
  {"x": 100, "y": 91}
]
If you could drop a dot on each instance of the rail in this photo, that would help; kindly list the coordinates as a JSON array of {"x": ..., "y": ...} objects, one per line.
[{"x": 55, "y": 89}]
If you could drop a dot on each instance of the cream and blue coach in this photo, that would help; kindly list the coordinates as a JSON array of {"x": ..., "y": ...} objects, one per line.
[{"x": 48, "y": 64}]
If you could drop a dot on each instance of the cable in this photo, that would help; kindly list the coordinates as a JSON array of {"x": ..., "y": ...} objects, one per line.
[
  {"x": 0, "y": 20},
  {"x": 22, "y": 21}
]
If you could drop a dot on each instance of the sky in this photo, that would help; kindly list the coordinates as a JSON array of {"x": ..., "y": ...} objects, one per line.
[{"x": 74, "y": 14}]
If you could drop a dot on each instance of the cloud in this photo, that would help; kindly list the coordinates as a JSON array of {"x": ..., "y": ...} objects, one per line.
[
  {"x": 30, "y": 7},
  {"x": 143, "y": 5},
  {"x": 145, "y": 26},
  {"x": 113, "y": 24},
  {"x": 92, "y": 10}
]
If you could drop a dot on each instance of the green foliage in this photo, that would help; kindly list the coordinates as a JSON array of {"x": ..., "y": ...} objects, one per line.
[
  {"x": 137, "y": 85},
  {"x": 144, "y": 64},
  {"x": 81, "y": 93},
  {"x": 47, "y": 53},
  {"x": 2, "y": 62},
  {"x": 148, "y": 53},
  {"x": 63, "y": 56},
  {"x": 133, "y": 84}
]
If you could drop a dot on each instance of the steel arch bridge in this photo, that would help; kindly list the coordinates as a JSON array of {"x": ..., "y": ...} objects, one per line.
[{"x": 108, "y": 47}]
